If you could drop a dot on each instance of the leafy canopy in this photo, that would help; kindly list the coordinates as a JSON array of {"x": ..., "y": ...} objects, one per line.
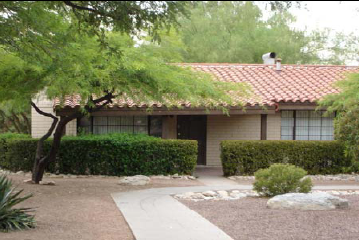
[
  {"x": 85, "y": 68},
  {"x": 346, "y": 104},
  {"x": 44, "y": 49},
  {"x": 235, "y": 32}
]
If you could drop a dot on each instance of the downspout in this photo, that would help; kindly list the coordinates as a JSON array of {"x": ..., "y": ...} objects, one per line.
[{"x": 276, "y": 105}]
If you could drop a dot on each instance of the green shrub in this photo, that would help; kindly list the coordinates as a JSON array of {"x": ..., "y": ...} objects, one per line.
[
  {"x": 116, "y": 155},
  {"x": 316, "y": 157},
  {"x": 13, "y": 218},
  {"x": 3, "y": 140},
  {"x": 280, "y": 179}
]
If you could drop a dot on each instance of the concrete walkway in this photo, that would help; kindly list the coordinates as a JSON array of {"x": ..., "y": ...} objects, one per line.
[
  {"x": 212, "y": 176},
  {"x": 153, "y": 214}
]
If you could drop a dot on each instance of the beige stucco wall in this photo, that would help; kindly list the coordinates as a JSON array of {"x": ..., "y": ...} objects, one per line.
[
  {"x": 71, "y": 128},
  {"x": 273, "y": 126},
  {"x": 240, "y": 127},
  {"x": 41, "y": 124}
]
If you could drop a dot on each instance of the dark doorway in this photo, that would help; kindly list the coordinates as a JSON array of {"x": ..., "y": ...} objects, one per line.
[{"x": 194, "y": 128}]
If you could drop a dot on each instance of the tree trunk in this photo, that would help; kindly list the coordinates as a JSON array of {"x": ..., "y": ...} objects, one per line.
[{"x": 41, "y": 161}]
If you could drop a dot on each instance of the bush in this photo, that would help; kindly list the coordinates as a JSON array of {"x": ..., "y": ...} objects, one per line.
[
  {"x": 3, "y": 140},
  {"x": 280, "y": 179},
  {"x": 10, "y": 218},
  {"x": 116, "y": 155},
  {"x": 316, "y": 157}
]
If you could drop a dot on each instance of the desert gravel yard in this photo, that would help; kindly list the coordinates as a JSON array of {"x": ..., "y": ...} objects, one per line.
[
  {"x": 248, "y": 218},
  {"x": 80, "y": 209}
]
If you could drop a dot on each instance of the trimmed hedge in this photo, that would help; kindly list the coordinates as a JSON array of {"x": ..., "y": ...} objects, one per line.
[
  {"x": 316, "y": 157},
  {"x": 115, "y": 156},
  {"x": 4, "y": 138}
]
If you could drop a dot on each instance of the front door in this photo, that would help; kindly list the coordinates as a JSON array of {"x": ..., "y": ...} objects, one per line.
[{"x": 194, "y": 128}]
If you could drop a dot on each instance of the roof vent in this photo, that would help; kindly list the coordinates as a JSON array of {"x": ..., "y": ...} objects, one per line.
[
  {"x": 269, "y": 58},
  {"x": 278, "y": 63}
]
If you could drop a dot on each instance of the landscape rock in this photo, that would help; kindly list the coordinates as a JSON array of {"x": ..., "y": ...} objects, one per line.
[
  {"x": 137, "y": 180},
  {"x": 223, "y": 194},
  {"x": 209, "y": 193},
  {"x": 28, "y": 181},
  {"x": 237, "y": 195},
  {"x": 49, "y": 183},
  {"x": 307, "y": 201}
]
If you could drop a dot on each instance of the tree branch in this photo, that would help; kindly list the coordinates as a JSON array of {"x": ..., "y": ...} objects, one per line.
[
  {"x": 41, "y": 112},
  {"x": 74, "y": 6},
  {"x": 53, "y": 125}
]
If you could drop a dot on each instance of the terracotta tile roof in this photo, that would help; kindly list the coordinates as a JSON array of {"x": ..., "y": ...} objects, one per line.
[{"x": 293, "y": 84}]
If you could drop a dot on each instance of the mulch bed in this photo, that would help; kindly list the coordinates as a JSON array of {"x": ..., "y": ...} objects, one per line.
[{"x": 248, "y": 218}]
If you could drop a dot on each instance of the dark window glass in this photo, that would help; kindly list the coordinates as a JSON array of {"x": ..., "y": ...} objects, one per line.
[{"x": 156, "y": 126}]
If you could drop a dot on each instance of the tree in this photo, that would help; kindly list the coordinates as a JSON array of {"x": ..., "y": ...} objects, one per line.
[
  {"x": 15, "y": 118},
  {"x": 235, "y": 32},
  {"x": 54, "y": 47},
  {"x": 346, "y": 105},
  {"x": 98, "y": 77}
]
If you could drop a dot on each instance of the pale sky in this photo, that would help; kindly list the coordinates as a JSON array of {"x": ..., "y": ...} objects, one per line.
[{"x": 341, "y": 16}]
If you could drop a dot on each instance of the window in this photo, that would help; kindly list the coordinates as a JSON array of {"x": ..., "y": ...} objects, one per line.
[
  {"x": 121, "y": 124},
  {"x": 306, "y": 125}
]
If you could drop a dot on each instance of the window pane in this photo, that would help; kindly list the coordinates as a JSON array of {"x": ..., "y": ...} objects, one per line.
[
  {"x": 100, "y": 129},
  {"x": 114, "y": 129},
  {"x": 156, "y": 126},
  {"x": 302, "y": 114},
  {"x": 327, "y": 131},
  {"x": 141, "y": 121},
  {"x": 287, "y": 114},
  {"x": 127, "y": 121},
  {"x": 100, "y": 121},
  {"x": 301, "y": 138},
  {"x": 287, "y": 122},
  {"x": 287, "y": 131},
  {"x": 327, "y": 138},
  {"x": 140, "y": 129},
  {"x": 114, "y": 121},
  {"x": 327, "y": 122},
  {"x": 314, "y": 138},
  {"x": 315, "y": 114},
  {"x": 302, "y": 122},
  {"x": 287, "y": 137},
  {"x": 127, "y": 129},
  {"x": 314, "y": 131},
  {"x": 301, "y": 131},
  {"x": 314, "y": 122}
]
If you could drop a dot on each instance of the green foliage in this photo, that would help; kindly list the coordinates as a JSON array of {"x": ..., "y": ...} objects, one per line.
[
  {"x": 15, "y": 118},
  {"x": 115, "y": 154},
  {"x": 346, "y": 105},
  {"x": 316, "y": 157},
  {"x": 280, "y": 179},
  {"x": 13, "y": 218},
  {"x": 235, "y": 32}
]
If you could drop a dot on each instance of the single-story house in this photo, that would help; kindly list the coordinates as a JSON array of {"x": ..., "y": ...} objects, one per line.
[{"x": 288, "y": 92}]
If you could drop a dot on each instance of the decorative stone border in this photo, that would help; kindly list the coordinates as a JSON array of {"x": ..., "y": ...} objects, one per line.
[
  {"x": 238, "y": 194},
  {"x": 337, "y": 177},
  {"x": 51, "y": 175}
]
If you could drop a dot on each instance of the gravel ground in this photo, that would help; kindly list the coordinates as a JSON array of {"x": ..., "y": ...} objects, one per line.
[
  {"x": 80, "y": 209},
  {"x": 315, "y": 182},
  {"x": 248, "y": 218}
]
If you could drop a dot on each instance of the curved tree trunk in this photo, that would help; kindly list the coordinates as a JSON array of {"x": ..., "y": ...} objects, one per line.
[{"x": 42, "y": 160}]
